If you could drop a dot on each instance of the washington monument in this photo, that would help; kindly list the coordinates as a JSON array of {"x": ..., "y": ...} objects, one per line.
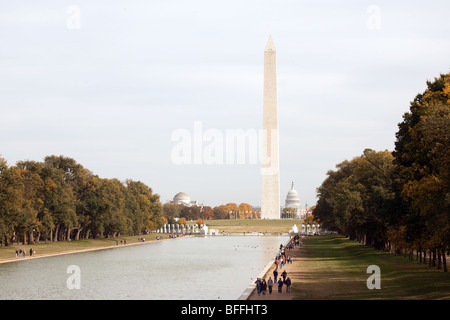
[{"x": 270, "y": 201}]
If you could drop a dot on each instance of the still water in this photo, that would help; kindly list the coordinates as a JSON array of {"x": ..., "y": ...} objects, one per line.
[{"x": 197, "y": 268}]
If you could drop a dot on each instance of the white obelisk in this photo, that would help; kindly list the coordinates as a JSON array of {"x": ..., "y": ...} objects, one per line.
[{"x": 270, "y": 201}]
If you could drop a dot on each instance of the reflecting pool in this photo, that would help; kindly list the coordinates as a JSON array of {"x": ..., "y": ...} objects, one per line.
[{"x": 216, "y": 267}]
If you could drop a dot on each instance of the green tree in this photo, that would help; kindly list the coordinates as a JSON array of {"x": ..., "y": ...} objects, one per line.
[
  {"x": 143, "y": 206},
  {"x": 32, "y": 204},
  {"x": 354, "y": 199},
  {"x": 80, "y": 181},
  {"x": 171, "y": 211},
  {"x": 11, "y": 189},
  {"x": 190, "y": 213}
]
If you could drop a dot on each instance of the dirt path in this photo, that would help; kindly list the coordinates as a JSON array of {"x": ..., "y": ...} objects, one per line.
[{"x": 293, "y": 273}]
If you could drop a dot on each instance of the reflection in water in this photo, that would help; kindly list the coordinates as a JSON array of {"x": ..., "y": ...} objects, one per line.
[{"x": 187, "y": 268}]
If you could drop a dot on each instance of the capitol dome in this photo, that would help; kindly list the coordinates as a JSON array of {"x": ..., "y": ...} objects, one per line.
[
  {"x": 292, "y": 198},
  {"x": 182, "y": 198}
]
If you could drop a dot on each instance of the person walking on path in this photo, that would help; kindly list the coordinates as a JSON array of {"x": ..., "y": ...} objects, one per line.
[
  {"x": 280, "y": 285},
  {"x": 284, "y": 275},
  {"x": 270, "y": 284},
  {"x": 264, "y": 287},
  {"x": 288, "y": 284},
  {"x": 275, "y": 274},
  {"x": 258, "y": 285}
]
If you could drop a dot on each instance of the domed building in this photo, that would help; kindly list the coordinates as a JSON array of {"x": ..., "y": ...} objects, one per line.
[
  {"x": 292, "y": 198},
  {"x": 293, "y": 201},
  {"x": 184, "y": 199}
]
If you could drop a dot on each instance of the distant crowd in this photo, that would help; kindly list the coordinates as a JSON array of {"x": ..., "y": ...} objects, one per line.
[
  {"x": 172, "y": 236},
  {"x": 280, "y": 260}
]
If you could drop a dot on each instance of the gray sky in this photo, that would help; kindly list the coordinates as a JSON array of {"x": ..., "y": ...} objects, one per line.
[{"x": 111, "y": 93}]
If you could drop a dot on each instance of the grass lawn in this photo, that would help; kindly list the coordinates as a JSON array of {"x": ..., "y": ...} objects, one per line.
[
  {"x": 333, "y": 267},
  {"x": 7, "y": 253}
]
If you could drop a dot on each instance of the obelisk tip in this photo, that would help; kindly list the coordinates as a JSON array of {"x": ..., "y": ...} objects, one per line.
[{"x": 270, "y": 46}]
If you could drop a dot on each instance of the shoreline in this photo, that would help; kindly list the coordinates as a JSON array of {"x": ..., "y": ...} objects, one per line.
[{"x": 75, "y": 251}]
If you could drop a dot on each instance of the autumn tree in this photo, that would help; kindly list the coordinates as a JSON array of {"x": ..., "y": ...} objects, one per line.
[
  {"x": 310, "y": 219},
  {"x": 207, "y": 213},
  {"x": 220, "y": 212},
  {"x": 232, "y": 209},
  {"x": 422, "y": 156},
  {"x": 245, "y": 211},
  {"x": 58, "y": 199},
  {"x": 402, "y": 201}
]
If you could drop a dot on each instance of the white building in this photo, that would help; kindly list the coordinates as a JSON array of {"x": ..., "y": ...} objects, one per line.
[
  {"x": 184, "y": 199},
  {"x": 292, "y": 198},
  {"x": 293, "y": 201}
]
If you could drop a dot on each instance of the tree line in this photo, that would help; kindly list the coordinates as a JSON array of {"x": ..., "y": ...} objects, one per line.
[
  {"x": 399, "y": 200},
  {"x": 59, "y": 200}
]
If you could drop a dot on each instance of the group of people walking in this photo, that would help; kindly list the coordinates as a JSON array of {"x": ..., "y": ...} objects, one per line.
[
  {"x": 282, "y": 280},
  {"x": 280, "y": 260},
  {"x": 262, "y": 285},
  {"x": 23, "y": 252}
]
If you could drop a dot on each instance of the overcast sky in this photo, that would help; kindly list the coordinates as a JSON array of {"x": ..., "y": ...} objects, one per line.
[{"x": 108, "y": 82}]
